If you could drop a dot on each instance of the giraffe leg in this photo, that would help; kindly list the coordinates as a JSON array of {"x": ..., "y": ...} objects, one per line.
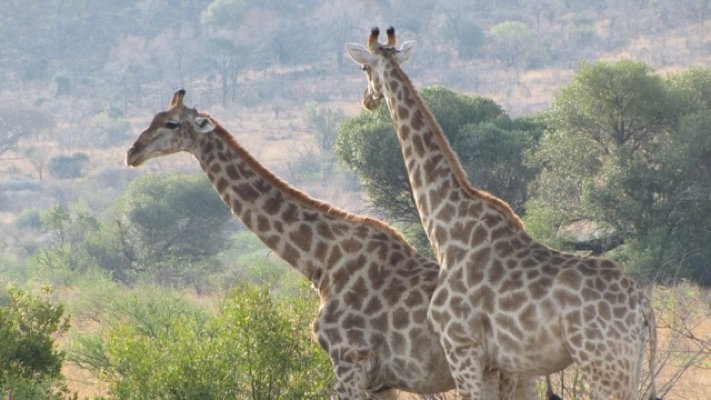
[
  {"x": 516, "y": 387},
  {"x": 490, "y": 386},
  {"x": 467, "y": 369},
  {"x": 550, "y": 394},
  {"x": 610, "y": 366},
  {"x": 614, "y": 374},
  {"x": 351, "y": 378}
]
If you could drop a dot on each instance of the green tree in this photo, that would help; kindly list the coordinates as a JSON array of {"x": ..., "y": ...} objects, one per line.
[
  {"x": 665, "y": 200},
  {"x": 30, "y": 363},
  {"x": 169, "y": 226},
  {"x": 68, "y": 167},
  {"x": 489, "y": 143},
  {"x": 225, "y": 47},
  {"x": 325, "y": 122},
  {"x": 694, "y": 88},
  {"x": 627, "y": 153},
  {"x": 493, "y": 156},
  {"x": 166, "y": 227},
  {"x": 64, "y": 255},
  {"x": 607, "y": 114},
  {"x": 109, "y": 128},
  {"x": 518, "y": 47},
  {"x": 55, "y": 219},
  {"x": 18, "y": 123},
  {"x": 470, "y": 37}
]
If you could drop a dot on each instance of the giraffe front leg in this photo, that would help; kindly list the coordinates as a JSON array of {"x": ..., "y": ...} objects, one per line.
[
  {"x": 466, "y": 368},
  {"x": 351, "y": 376},
  {"x": 516, "y": 387},
  {"x": 350, "y": 382}
]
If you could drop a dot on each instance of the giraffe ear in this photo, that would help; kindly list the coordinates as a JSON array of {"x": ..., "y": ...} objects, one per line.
[
  {"x": 358, "y": 53},
  {"x": 406, "y": 51},
  {"x": 204, "y": 125}
]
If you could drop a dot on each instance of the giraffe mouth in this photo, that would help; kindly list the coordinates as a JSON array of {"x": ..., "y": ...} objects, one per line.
[
  {"x": 133, "y": 157},
  {"x": 371, "y": 102}
]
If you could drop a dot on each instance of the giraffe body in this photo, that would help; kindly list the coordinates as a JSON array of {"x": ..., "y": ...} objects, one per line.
[
  {"x": 374, "y": 288},
  {"x": 503, "y": 300}
]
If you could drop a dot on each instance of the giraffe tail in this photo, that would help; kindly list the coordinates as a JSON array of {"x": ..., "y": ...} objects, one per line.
[{"x": 652, "y": 325}]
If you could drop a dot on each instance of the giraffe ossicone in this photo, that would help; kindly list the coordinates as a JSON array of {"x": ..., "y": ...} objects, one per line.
[
  {"x": 504, "y": 300},
  {"x": 374, "y": 287}
]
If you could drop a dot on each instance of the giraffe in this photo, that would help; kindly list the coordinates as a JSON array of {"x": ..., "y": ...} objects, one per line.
[
  {"x": 503, "y": 299},
  {"x": 374, "y": 287}
]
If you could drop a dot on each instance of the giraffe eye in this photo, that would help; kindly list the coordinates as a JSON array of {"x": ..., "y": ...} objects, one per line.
[{"x": 171, "y": 125}]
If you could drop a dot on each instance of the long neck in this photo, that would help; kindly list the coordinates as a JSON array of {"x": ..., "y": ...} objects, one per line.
[
  {"x": 446, "y": 201},
  {"x": 310, "y": 235}
]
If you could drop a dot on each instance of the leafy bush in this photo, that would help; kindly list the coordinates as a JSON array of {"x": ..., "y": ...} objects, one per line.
[
  {"x": 629, "y": 151},
  {"x": 30, "y": 365},
  {"x": 172, "y": 216},
  {"x": 28, "y": 219},
  {"x": 109, "y": 128},
  {"x": 252, "y": 347},
  {"x": 64, "y": 256},
  {"x": 470, "y": 39},
  {"x": 68, "y": 167}
]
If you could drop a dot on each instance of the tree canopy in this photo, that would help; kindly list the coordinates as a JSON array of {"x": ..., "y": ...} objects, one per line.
[
  {"x": 627, "y": 152},
  {"x": 169, "y": 221}
]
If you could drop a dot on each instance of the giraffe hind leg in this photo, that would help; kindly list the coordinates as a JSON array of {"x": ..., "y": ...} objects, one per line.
[
  {"x": 608, "y": 379},
  {"x": 550, "y": 394},
  {"x": 515, "y": 387},
  {"x": 608, "y": 360}
]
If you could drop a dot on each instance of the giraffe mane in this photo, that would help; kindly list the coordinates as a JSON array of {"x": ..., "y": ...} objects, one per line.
[
  {"x": 299, "y": 195},
  {"x": 459, "y": 174}
]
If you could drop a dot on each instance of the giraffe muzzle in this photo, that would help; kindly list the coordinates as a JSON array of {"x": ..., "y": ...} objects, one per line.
[
  {"x": 133, "y": 157},
  {"x": 370, "y": 102}
]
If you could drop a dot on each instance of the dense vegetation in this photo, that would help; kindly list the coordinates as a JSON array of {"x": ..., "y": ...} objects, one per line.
[
  {"x": 629, "y": 151},
  {"x": 30, "y": 362},
  {"x": 603, "y": 157},
  {"x": 623, "y": 153},
  {"x": 252, "y": 346}
]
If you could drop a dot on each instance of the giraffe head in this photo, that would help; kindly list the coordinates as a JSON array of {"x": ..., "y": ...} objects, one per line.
[
  {"x": 373, "y": 59},
  {"x": 171, "y": 131}
]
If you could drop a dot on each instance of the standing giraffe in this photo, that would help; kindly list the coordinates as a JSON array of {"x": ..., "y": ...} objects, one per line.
[
  {"x": 503, "y": 300},
  {"x": 374, "y": 288}
]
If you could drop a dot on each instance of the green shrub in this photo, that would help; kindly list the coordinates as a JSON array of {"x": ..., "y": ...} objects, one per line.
[
  {"x": 251, "y": 347},
  {"x": 28, "y": 219},
  {"x": 109, "y": 128},
  {"x": 68, "y": 167},
  {"x": 30, "y": 365},
  {"x": 168, "y": 226}
]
